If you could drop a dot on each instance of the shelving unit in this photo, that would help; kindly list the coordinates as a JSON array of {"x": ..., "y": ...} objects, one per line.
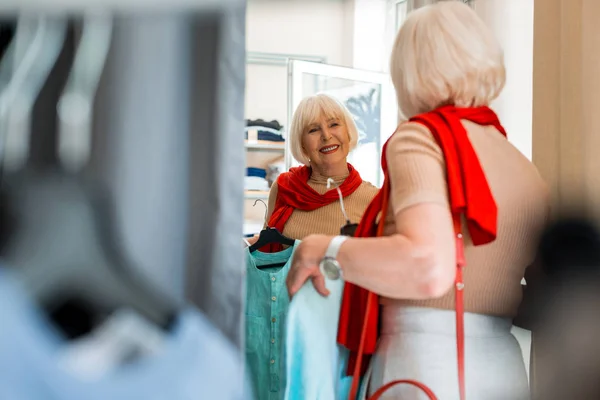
[
  {"x": 256, "y": 195},
  {"x": 265, "y": 146},
  {"x": 260, "y": 154}
]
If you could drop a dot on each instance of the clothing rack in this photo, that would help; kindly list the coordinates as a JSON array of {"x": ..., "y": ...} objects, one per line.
[{"x": 166, "y": 141}]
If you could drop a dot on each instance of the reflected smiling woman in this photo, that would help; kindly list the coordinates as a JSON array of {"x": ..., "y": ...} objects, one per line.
[{"x": 322, "y": 134}]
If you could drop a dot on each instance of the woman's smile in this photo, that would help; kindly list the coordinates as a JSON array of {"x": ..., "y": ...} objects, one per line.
[{"x": 329, "y": 149}]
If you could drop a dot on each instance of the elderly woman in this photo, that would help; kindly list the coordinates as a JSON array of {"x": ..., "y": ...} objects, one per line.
[
  {"x": 322, "y": 133},
  {"x": 452, "y": 178}
]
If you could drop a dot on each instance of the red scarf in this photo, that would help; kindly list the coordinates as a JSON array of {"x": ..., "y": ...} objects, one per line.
[
  {"x": 295, "y": 193},
  {"x": 469, "y": 194}
]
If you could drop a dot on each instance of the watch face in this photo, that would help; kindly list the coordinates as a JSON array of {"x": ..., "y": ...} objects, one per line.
[{"x": 331, "y": 269}]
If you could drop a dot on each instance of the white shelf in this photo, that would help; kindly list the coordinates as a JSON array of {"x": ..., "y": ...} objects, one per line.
[
  {"x": 256, "y": 194},
  {"x": 278, "y": 147},
  {"x": 252, "y": 227}
]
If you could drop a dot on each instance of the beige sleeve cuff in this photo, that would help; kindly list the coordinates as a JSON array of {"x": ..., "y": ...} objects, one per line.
[{"x": 416, "y": 168}]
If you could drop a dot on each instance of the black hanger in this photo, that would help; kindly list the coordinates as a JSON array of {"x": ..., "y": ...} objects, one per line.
[
  {"x": 63, "y": 244},
  {"x": 349, "y": 229},
  {"x": 269, "y": 236}
]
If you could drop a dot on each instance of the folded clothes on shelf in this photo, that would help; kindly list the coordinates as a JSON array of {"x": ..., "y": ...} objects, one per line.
[
  {"x": 258, "y": 172},
  {"x": 274, "y": 124},
  {"x": 266, "y": 134},
  {"x": 255, "y": 183}
]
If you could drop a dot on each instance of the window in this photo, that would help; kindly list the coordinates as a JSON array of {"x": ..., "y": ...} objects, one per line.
[{"x": 400, "y": 11}]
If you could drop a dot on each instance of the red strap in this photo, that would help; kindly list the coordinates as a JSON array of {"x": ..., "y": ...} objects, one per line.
[
  {"x": 460, "y": 328},
  {"x": 387, "y": 386},
  {"x": 459, "y": 286}
]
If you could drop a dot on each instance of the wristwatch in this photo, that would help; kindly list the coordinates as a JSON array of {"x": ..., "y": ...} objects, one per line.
[{"x": 329, "y": 265}]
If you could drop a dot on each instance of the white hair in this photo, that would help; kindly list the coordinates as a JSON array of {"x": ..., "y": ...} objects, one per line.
[
  {"x": 309, "y": 111},
  {"x": 445, "y": 54}
]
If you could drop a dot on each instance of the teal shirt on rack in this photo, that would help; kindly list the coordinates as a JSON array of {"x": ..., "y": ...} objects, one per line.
[{"x": 267, "y": 304}]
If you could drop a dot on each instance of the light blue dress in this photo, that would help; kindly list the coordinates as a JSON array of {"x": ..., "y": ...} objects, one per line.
[
  {"x": 195, "y": 361},
  {"x": 267, "y": 303},
  {"x": 316, "y": 364}
]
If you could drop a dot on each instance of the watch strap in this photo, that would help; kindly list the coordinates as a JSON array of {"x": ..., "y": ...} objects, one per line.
[{"x": 334, "y": 246}]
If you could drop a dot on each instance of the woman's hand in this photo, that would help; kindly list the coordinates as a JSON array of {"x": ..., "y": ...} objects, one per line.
[{"x": 305, "y": 264}]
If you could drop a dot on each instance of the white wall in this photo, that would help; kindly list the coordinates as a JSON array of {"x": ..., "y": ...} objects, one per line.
[
  {"x": 370, "y": 33},
  {"x": 512, "y": 23},
  {"x": 297, "y": 27},
  {"x": 314, "y": 28}
]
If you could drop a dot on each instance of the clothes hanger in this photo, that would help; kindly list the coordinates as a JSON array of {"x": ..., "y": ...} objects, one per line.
[
  {"x": 32, "y": 54},
  {"x": 64, "y": 246},
  {"x": 269, "y": 235},
  {"x": 349, "y": 228},
  {"x": 76, "y": 103},
  {"x": 7, "y": 61}
]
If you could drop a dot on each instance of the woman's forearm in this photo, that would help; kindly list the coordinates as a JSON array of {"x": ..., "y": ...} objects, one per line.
[{"x": 394, "y": 267}]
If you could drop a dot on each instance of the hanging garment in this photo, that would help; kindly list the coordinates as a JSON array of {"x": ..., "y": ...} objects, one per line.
[
  {"x": 315, "y": 363},
  {"x": 267, "y": 304},
  {"x": 194, "y": 360}
]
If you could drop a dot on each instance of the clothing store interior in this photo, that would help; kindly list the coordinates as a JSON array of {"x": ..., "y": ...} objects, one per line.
[{"x": 299, "y": 199}]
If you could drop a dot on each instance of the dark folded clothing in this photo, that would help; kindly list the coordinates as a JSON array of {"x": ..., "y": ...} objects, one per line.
[
  {"x": 267, "y": 136},
  {"x": 259, "y": 172},
  {"x": 259, "y": 122}
]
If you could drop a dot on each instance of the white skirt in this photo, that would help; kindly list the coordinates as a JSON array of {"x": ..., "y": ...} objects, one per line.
[{"x": 420, "y": 344}]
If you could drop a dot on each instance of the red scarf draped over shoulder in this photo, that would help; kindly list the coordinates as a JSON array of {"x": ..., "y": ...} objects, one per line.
[
  {"x": 469, "y": 195},
  {"x": 295, "y": 193}
]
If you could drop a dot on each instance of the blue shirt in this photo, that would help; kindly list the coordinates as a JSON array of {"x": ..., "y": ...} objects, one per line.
[
  {"x": 195, "y": 361},
  {"x": 267, "y": 304},
  {"x": 316, "y": 364}
]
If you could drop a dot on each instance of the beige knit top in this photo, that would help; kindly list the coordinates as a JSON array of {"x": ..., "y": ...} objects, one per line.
[
  {"x": 494, "y": 271},
  {"x": 326, "y": 220}
]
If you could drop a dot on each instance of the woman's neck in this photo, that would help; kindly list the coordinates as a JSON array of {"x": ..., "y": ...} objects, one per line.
[{"x": 337, "y": 174}]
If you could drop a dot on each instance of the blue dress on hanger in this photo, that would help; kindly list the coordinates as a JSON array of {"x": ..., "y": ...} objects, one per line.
[
  {"x": 267, "y": 303},
  {"x": 316, "y": 364},
  {"x": 194, "y": 360}
]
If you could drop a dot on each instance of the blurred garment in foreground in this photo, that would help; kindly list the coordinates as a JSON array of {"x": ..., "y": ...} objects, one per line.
[
  {"x": 121, "y": 360},
  {"x": 563, "y": 300}
]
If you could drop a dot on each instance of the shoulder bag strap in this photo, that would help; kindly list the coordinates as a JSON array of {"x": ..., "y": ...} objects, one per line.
[{"x": 460, "y": 331}]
